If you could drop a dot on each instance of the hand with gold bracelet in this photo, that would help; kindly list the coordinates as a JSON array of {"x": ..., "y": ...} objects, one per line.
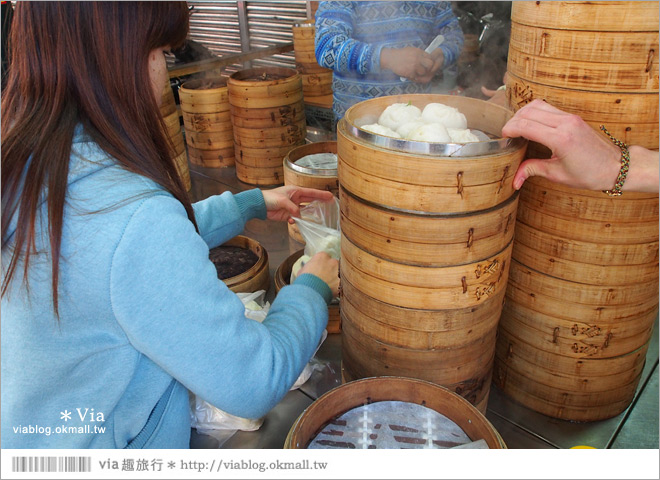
[{"x": 581, "y": 157}]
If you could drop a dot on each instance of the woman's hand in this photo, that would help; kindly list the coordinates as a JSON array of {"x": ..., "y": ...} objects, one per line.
[
  {"x": 283, "y": 203},
  {"x": 438, "y": 60},
  {"x": 409, "y": 62},
  {"x": 498, "y": 97},
  {"x": 581, "y": 157},
  {"x": 326, "y": 268}
]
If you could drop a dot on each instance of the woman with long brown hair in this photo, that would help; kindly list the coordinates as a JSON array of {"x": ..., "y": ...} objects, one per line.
[{"x": 111, "y": 308}]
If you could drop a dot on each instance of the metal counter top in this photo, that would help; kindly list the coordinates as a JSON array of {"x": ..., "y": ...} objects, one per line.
[{"x": 520, "y": 427}]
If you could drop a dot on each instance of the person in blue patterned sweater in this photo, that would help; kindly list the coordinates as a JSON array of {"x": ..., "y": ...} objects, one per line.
[{"x": 377, "y": 48}]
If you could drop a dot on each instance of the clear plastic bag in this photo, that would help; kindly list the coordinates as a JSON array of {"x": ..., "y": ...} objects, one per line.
[{"x": 319, "y": 227}]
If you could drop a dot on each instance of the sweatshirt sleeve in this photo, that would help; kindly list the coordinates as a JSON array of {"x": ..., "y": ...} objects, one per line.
[
  {"x": 167, "y": 298},
  {"x": 446, "y": 24},
  {"x": 221, "y": 217},
  {"x": 335, "y": 47}
]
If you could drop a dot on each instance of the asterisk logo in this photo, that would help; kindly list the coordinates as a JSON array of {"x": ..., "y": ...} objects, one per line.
[
  {"x": 65, "y": 415},
  {"x": 171, "y": 465}
]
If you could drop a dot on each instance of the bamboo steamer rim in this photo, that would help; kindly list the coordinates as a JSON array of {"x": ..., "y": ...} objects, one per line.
[
  {"x": 311, "y": 149},
  {"x": 280, "y": 279},
  {"x": 249, "y": 243},
  {"x": 194, "y": 84},
  {"x": 239, "y": 78},
  {"x": 355, "y": 116},
  {"x": 328, "y": 406},
  {"x": 438, "y": 215}
]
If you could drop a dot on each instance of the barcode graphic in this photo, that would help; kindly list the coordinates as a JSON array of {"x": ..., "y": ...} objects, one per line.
[{"x": 51, "y": 464}]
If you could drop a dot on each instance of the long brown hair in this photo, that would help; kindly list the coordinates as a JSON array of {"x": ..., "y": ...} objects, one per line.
[{"x": 80, "y": 63}]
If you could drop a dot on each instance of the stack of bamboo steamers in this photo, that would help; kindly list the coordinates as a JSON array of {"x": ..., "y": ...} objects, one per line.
[
  {"x": 426, "y": 247},
  {"x": 173, "y": 130},
  {"x": 268, "y": 115},
  {"x": 316, "y": 80},
  {"x": 583, "y": 288}
]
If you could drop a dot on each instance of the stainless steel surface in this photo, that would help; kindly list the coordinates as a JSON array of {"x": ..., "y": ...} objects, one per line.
[
  {"x": 473, "y": 149},
  {"x": 520, "y": 427},
  {"x": 641, "y": 427}
]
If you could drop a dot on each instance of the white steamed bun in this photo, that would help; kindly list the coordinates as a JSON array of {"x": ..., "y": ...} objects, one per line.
[
  {"x": 430, "y": 132},
  {"x": 405, "y": 129},
  {"x": 397, "y": 114},
  {"x": 462, "y": 135},
  {"x": 448, "y": 116},
  {"x": 380, "y": 130}
]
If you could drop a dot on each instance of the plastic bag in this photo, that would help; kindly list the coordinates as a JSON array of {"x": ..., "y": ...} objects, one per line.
[
  {"x": 319, "y": 227},
  {"x": 256, "y": 306}
]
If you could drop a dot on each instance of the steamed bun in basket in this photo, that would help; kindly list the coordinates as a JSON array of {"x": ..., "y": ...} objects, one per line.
[
  {"x": 448, "y": 116},
  {"x": 397, "y": 114}
]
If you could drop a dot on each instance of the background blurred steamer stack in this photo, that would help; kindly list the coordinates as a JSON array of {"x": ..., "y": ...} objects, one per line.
[
  {"x": 206, "y": 117},
  {"x": 268, "y": 114},
  {"x": 426, "y": 248},
  {"x": 583, "y": 287},
  {"x": 173, "y": 127},
  {"x": 316, "y": 80}
]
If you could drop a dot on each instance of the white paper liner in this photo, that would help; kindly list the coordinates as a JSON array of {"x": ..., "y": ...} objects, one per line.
[{"x": 392, "y": 425}]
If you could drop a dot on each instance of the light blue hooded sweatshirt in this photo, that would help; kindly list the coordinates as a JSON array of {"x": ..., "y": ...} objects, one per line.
[{"x": 143, "y": 319}]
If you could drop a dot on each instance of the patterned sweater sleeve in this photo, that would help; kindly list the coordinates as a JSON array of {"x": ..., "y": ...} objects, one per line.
[
  {"x": 447, "y": 24},
  {"x": 335, "y": 47}
]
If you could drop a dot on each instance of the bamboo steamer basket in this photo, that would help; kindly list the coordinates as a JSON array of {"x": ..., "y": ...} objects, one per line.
[
  {"x": 168, "y": 104},
  {"x": 580, "y": 287},
  {"x": 267, "y": 111},
  {"x": 582, "y": 295},
  {"x": 316, "y": 80},
  {"x": 317, "y": 84},
  {"x": 581, "y": 75},
  {"x": 175, "y": 135},
  {"x": 267, "y": 117},
  {"x": 282, "y": 277},
  {"x": 431, "y": 240},
  {"x": 256, "y": 277},
  {"x": 321, "y": 179},
  {"x": 603, "y": 16},
  {"x": 362, "y": 392},
  {"x": 206, "y": 117},
  {"x": 426, "y": 245},
  {"x": 421, "y": 182}
]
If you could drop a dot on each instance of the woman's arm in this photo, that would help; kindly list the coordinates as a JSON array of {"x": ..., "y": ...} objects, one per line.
[
  {"x": 446, "y": 24},
  {"x": 335, "y": 47},
  {"x": 168, "y": 300}
]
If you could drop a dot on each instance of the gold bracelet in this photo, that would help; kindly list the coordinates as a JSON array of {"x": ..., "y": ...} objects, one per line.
[{"x": 625, "y": 165}]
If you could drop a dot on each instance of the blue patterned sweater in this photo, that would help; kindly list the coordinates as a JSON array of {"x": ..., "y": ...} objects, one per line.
[{"x": 351, "y": 35}]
